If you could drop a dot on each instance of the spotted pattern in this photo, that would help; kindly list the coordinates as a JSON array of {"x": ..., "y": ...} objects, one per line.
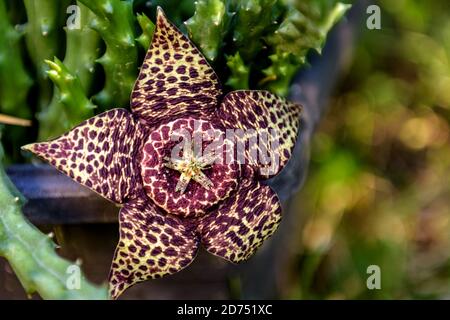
[
  {"x": 175, "y": 78},
  {"x": 242, "y": 222},
  {"x": 99, "y": 154},
  {"x": 120, "y": 155},
  {"x": 160, "y": 181},
  {"x": 265, "y": 113},
  {"x": 152, "y": 244}
]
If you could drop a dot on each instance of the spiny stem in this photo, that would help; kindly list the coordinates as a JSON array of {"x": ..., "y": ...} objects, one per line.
[
  {"x": 14, "y": 80},
  {"x": 68, "y": 108},
  {"x": 32, "y": 255},
  {"x": 42, "y": 39},
  {"x": 114, "y": 22}
]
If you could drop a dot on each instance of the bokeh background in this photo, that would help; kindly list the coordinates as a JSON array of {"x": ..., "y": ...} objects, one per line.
[{"x": 378, "y": 190}]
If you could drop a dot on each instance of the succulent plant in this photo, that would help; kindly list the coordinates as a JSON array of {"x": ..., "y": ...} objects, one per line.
[
  {"x": 31, "y": 253},
  {"x": 171, "y": 204}
]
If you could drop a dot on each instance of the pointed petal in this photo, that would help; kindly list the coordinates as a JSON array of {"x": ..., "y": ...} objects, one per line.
[
  {"x": 151, "y": 245},
  {"x": 99, "y": 154},
  {"x": 272, "y": 118},
  {"x": 242, "y": 222},
  {"x": 175, "y": 77}
]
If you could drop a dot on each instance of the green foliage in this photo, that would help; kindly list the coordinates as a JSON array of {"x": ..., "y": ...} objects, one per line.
[
  {"x": 304, "y": 27},
  {"x": 42, "y": 39},
  {"x": 14, "y": 79},
  {"x": 254, "y": 20},
  {"x": 147, "y": 27},
  {"x": 32, "y": 255},
  {"x": 114, "y": 21},
  {"x": 239, "y": 72},
  {"x": 71, "y": 97},
  {"x": 209, "y": 26},
  {"x": 74, "y": 77}
]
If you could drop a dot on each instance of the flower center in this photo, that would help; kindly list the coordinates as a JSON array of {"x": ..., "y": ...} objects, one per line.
[
  {"x": 185, "y": 176},
  {"x": 190, "y": 168}
]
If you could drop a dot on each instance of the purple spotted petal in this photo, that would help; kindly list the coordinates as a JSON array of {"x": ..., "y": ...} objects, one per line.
[
  {"x": 151, "y": 245},
  {"x": 99, "y": 154},
  {"x": 175, "y": 78},
  {"x": 270, "y": 116},
  {"x": 242, "y": 222}
]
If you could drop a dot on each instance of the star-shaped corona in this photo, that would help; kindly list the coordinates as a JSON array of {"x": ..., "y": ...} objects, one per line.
[
  {"x": 190, "y": 167},
  {"x": 170, "y": 205}
]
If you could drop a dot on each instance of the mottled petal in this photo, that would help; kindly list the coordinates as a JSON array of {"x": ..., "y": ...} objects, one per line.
[
  {"x": 242, "y": 222},
  {"x": 268, "y": 116},
  {"x": 99, "y": 153},
  {"x": 175, "y": 78},
  {"x": 151, "y": 245}
]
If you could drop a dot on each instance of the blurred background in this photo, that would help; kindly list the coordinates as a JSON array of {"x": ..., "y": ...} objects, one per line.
[{"x": 378, "y": 189}]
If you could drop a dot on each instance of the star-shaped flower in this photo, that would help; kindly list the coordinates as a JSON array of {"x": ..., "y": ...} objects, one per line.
[{"x": 172, "y": 204}]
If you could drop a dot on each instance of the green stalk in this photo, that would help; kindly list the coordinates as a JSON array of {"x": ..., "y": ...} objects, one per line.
[
  {"x": 148, "y": 28},
  {"x": 15, "y": 83},
  {"x": 239, "y": 72},
  {"x": 255, "y": 18},
  {"x": 114, "y": 22},
  {"x": 32, "y": 255},
  {"x": 304, "y": 27},
  {"x": 82, "y": 50},
  {"x": 209, "y": 26},
  {"x": 42, "y": 39}
]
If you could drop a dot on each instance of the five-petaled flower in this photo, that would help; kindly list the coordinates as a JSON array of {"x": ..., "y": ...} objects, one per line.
[{"x": 171, "y": 206}]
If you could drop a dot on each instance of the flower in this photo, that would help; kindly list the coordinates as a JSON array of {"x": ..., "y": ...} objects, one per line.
[{"x": 171, "y": 205}]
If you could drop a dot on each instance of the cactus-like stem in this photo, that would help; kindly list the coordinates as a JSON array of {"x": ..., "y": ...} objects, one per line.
[
  {"x": 32, "y": 255},
  {"x": 114, "y": 22},
  {"x": 71, "y": 98},
  {"x": 280, "y": 72},
  {"x": 14, "y": 80},
  {"x": 67, "y": 107},
  {"x": 255, "y": 18},
  {"x": 209, "y": 26},
  {"x": 177, "y": 10},
  {"x": 304, "y": 27},
  {"x": 239, "y": 72},
  {"x": 42, "y": 39},
  {"x": 147, "y": 27}
]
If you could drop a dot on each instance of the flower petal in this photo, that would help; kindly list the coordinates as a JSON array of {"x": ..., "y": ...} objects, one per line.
[
  {"x": 242, "y": 222},
  {"x": 151, "y": 245},
  {"x": 175, "y": 77},
  {"x": 99, "y": 154},
  {"x": 269, "y": 116}
]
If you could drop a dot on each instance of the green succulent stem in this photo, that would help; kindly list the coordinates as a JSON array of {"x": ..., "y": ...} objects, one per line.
[
  {"x": 148, "y": 28},
  {"x": 209, "y": 26},
  {"x": 15, "y": 82},
  {"x": 73, "y": 79},
  {"x": 32, "y": 255},
  {"x": 114, "y": 21},
  {"x": 254, "y": 19},
  {"x": 42, "y": 40},
  {"x": 239, "y": 72},
  {"x": 304, "y": 27},
  {"x": 71, "y": 104}
]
